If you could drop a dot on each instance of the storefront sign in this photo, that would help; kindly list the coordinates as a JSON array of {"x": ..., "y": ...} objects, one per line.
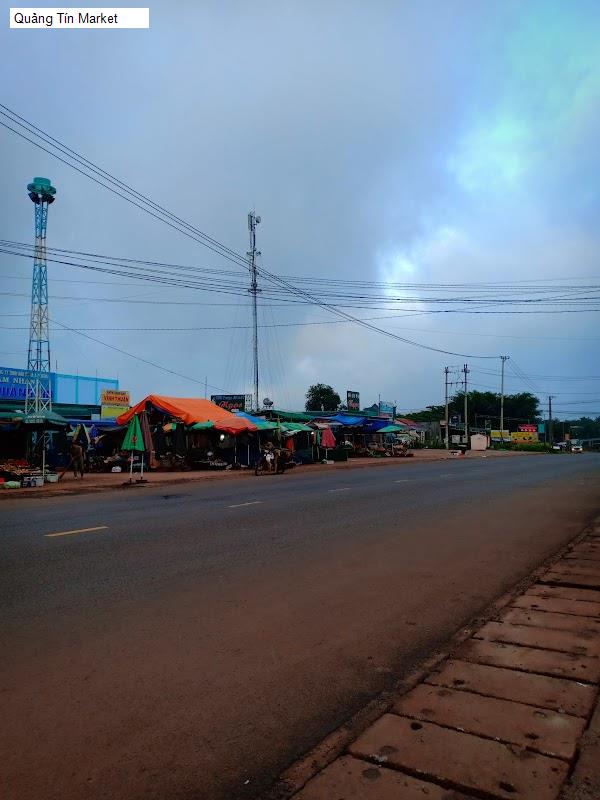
[
  {"x": 524, "y": 436},
  {"x": 352, "y": 401},
  {"x": 230, "y": 402},
  {"x": 114, "y": 397},
  {"x": 13, "y": 383},
  {"x": 500, "y": 436},
  {"x": 114, "y": 402},
  {"x": 528, "y": 428}
]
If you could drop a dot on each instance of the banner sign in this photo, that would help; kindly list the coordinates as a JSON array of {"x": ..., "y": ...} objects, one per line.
[
  {"x": 114, "y": 397},
  {"x": 230, "y": 402},
  {"x": 352, "y": 401},
  {"x": 528, "y": 428},
  {"x": 386, "y": 409},
  {"x": 500, "y": 436},
  {"x": 524, "y": 436},
  {"x": 13, "y": 383}
]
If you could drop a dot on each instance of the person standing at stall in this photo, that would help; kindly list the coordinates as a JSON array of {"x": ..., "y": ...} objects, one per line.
[{"x": 76, "y": 453}]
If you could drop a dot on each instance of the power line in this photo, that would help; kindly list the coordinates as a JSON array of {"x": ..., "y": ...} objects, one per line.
[{"x": 188, "y": 230}]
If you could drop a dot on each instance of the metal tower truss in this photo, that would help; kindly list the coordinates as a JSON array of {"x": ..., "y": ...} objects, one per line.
[{"x": 38, "y": 390}]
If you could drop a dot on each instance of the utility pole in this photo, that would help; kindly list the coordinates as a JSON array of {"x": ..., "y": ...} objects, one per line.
[
  {"x": 503, "y": 359},
  {"x": 447, "y": 430},
  {"x": 253, "y": 254},
  {"x": 550, "y": 423},
  {"x": 466, "y": 372}
]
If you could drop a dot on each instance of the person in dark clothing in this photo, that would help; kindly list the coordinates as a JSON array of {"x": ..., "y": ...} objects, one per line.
[{"x": 76, "y": 453}]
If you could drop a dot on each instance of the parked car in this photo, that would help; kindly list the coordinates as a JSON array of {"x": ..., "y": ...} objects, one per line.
[{"x": 576, "y": 448}]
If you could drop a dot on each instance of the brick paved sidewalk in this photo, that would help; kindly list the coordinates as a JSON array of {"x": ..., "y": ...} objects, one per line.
[{"x": 509, "y": 715}]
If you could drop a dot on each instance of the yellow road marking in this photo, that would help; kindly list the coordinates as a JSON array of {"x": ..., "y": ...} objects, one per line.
[
  {"x": 80, "y": 530},
  {"x": 251, "y": 503}
]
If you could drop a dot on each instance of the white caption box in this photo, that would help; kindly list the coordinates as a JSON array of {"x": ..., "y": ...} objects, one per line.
[{"x": 91, "y": 18}]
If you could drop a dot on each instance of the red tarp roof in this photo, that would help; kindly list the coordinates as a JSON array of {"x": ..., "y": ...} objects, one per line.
[{"x": 191, "y": 410}]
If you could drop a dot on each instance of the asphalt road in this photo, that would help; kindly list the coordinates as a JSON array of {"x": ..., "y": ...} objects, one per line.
[{"x": 202, "y": 637}]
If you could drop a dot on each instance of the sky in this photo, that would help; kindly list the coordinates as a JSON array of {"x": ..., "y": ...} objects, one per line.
[{"x": 450, "y": 142}]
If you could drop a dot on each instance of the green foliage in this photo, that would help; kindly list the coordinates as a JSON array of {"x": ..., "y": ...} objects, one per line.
[
  {"x": 523, "y": 406},
  {"x": 321, "y": 397}
]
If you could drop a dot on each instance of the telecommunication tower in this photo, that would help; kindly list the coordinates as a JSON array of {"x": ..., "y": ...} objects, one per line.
[
  {"x": 38, "y": 391},
  {"x": 253, "y": 254}
]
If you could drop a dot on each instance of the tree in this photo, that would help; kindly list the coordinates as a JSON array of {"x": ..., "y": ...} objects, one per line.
[
  {"x": 321, "y": 397},
  {"x": 518, "y": 408}
]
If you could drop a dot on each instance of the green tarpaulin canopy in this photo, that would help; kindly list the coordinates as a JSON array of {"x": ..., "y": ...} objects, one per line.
[
  {"x": 297, "y": 427},
  {"x": 202, "y": 426},
  {"x": 46, "y": 420},
  {"x": 133, "y": 438},
  {"x": 392, "y": 429}
]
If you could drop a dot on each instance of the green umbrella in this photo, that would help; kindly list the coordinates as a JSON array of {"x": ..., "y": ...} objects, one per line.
[
  {"x": 203, "y": 426},
  {"x": 133, "y": 438},
  {"x": 134, "y": 441},
  {"x": 44, "y": 419}
]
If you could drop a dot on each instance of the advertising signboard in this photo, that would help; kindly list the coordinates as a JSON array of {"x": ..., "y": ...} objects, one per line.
[
  {"x": 230, "y": 402},
  {"x": 386, "y": 409},
  {"x": 13, "y": 383},
  {"x": 528, "y": 428},
  {"x": 500, "y": 436},
  {"x": 524, "y": 436},
  {"x": 113, "y": 403},
  {"x": 352, "y": 401}
]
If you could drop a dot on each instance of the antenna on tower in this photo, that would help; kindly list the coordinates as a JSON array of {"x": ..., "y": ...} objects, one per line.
[{"x": 38, "y": 395}]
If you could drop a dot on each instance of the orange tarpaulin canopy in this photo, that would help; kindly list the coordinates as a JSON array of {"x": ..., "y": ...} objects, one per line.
[{"x": 191, "y": 410}]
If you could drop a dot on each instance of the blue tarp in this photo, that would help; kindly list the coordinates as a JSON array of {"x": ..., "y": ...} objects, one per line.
[{"x": 348, "y": 420}]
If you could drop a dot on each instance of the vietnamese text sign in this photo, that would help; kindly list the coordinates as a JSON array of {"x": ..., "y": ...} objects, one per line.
[
  {"x": 13, "y": 383},
  {"x": 95, "y": 18},
  {"x": 528, "y": 428},
  {"x": 500, "y": 436},
  {"x": 231, "y": 402},
  {"x": 114, "y": 397},
  {"x": 352, "y": 401}
]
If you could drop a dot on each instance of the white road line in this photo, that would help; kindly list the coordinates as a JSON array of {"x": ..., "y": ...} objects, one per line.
[
  {"x": 405, "y": 480},
  {"x": 80, "y": 530},
  {"x": 251, "y": 503},
  {"x": 345, "y": 489}
]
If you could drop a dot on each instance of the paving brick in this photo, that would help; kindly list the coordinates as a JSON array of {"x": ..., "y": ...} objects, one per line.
[
  {"x": 354, "y": 779},
  {"x": 463, "y": 761},
  {"x": 577, "y": 568},
  {"x": 570, "y": 697},
  {"x": 584, "y": 783},
  {"x": 538, "y": 729},
  {"x": 581, "y": 608},
  {"x": 583, "y": 555},
  {"x": 574, "y": 579},
  {"x": 529, "y": 659},
  {"x": 549, "y": 619},
  {"x": 546, "y": 639},
  {"x": 564, "y": 593}
]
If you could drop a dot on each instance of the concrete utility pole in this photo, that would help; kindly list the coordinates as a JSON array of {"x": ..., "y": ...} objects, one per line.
[
  {"x": 466, "y": 372},
  {"x": 253, "y": 221},
  {"x": 503, "y": 359},
  {"x": 447, "y": 431},
  {"x": 550, "y": 423}
]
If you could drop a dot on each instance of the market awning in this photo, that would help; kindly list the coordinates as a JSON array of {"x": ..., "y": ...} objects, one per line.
[
  {"x": 45, "y": 420},
  {"x": 392, "y": 429},
  {"x": 191, "y": 410},
  {"x": 261, "y": 424},
  {"x": 297, "y": 427}
]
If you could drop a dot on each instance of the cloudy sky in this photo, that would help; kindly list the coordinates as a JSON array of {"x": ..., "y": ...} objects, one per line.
[{"x": 447, "y": 142}]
